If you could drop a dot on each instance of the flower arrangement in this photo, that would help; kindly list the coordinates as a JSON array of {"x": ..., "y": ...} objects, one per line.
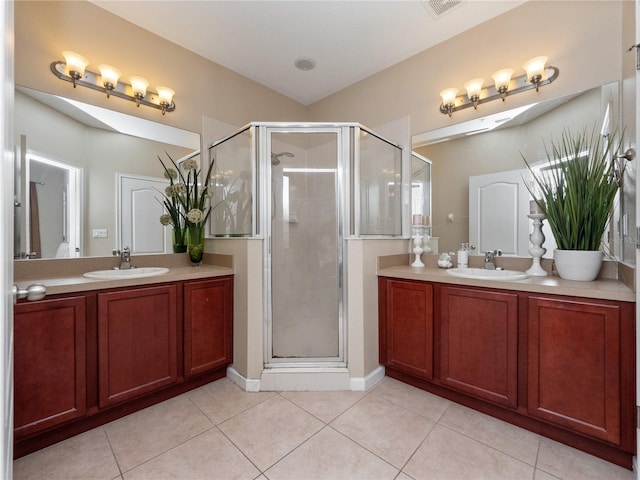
[{"x": 186, "y": 201}]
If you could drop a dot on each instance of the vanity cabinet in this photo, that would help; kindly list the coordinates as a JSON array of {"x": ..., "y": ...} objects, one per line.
[
  {"x": 576, "y": 360},
  {"x": 407, "y": 336},
  {"x": 208, "y": 317},
  {"x": 86, "y": 359},
  {"x": 49, "y": 364},
  {"x": 479, "y": 343},
  {"x": 560, "y": 366},
  {"x": 137, "y": 342}
]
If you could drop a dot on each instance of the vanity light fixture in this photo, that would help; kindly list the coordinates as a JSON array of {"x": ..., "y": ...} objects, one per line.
[
  {"x": 502, "y": 80},
  {"x": 110, "y": 76},
  {"x": 504, "y": 84},
  {"x": 73, "y": 70},
  {"x": 448, "y": 99},
  {"x": 473, "y": 88},
  {"x": 76, "y": 65}
]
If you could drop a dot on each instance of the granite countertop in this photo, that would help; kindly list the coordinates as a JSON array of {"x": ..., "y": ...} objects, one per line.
[
  {"x": 65, "y": 276},
  {"x": 602, "y": 288}
]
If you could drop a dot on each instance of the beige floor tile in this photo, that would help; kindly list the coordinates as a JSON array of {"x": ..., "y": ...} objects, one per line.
[
  {"x": 208, "y": 456},
  {"x": 223, "y": 399},
  {"x": 270, "y": 430},
  {"x": 423, "y": 403},
  {"x": 389, "y": 431},
  {"x": 540, "y": 475},
  {"x": 329, "y": 455},
  {"x": 448, "y": 455},
  {"x": 403, "y": 476},
  {"x": 145, "y": 434},
  {"x": 507, "y": 438},
  {"x": 324, "y": 405},
  {"x": 571, "y": 464},
  {"x": 86, "y": 456}
]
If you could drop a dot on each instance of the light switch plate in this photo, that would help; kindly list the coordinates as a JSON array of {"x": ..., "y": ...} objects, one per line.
[{"x": 99, "y": 233}]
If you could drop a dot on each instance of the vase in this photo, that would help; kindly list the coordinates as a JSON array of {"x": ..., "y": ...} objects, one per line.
[
  {"x": 195, "y": 244},
  {"x": 179, "y": 240},
  {"x": 582, "y": 265}
]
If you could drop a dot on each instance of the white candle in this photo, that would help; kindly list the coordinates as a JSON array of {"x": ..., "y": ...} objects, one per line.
[
  {"x": 425, "y": 220},
  {"x": 417, "y": 219},
  {"x": 534, "y": 208}
]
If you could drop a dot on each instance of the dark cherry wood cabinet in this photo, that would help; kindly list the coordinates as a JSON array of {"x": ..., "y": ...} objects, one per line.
[
  {"x": 208, "y": 324},
  {"x": 575, "y": 365},
  {"x": 408, "y": 333},
  {"x": 49, "y": 364},
  {"x": 137, "y": 342},
  {"x": 560, "y": 366},
  {"x": 479, "y": 343},
  {"x": 88, "y": 359}
]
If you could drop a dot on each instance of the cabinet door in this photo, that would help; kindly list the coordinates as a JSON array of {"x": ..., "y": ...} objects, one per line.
[
  {"x": 208, "y": 325},
  {"x": 479, "y": 342},
  {"x": 49, "y": 364},
  {"x": 409, "y": 327},
  {"x": 137, "y": 342},
  {"x": 574, "y": 365}
]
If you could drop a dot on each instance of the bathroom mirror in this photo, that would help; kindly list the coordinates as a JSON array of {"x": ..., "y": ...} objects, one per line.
[
  {"x": 496, "y": 144},
  {"x": 71, "y": 157}
]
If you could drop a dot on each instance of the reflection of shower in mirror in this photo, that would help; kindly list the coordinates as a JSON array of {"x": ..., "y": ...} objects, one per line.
[{"x": 275, "y": 157}]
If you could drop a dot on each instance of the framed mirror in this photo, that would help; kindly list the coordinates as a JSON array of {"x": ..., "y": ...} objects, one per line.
[
  {"x": 72, "y": 161},
  {"x": 495, "y": 146}
]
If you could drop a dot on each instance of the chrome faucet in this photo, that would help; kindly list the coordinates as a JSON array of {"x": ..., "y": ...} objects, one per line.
[
  {"x": 125, "y": 257},
  {"x": 489, "y": 259}
]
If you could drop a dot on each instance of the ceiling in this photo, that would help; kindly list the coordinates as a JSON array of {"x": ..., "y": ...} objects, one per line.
[{"x": 348, "y": 40}]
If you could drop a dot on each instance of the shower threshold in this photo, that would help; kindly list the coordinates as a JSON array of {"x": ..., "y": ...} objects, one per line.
[{"x": 321, "y": 378}]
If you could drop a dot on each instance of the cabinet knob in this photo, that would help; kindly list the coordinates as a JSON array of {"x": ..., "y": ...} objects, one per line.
[{"x": 33, "y": 292}]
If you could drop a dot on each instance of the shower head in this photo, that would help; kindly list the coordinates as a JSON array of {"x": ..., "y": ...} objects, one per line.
[{"x": 275, "y": 157}]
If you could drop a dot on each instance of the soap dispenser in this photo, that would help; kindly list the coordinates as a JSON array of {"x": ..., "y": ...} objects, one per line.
[{"x": 463, "y": 255}]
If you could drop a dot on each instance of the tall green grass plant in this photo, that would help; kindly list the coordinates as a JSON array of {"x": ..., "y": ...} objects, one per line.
[{"x": 577, "y": 190}]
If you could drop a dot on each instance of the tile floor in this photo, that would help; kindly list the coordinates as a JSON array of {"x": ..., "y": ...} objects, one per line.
[{"x": 394, "y": 431}]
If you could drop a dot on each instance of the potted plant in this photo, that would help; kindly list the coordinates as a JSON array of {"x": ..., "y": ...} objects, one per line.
[
  {"x": 576, "y": 192},
  {"x": 187, "y": 202}
]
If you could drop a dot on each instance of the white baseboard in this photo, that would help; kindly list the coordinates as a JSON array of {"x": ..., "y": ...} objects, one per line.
[
  {"x": 362, "y": 384},
  {"x": 247, "y": 384}
]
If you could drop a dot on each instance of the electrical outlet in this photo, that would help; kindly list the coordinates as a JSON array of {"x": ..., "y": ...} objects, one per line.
[{"x": 99, "y": 233}]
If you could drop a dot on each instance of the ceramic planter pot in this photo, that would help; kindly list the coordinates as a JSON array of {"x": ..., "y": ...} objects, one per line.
[{"x": 582, "y": 265}]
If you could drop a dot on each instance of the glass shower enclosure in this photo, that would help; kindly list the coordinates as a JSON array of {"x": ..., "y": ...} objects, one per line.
[{"x": 305, "y": 189}]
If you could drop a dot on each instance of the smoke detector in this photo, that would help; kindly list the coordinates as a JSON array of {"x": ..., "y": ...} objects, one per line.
[{"x": 305, "y": 63}]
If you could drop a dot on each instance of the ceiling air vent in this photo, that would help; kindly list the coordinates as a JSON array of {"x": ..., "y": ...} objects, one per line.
[{"x": 439, "y": 7}]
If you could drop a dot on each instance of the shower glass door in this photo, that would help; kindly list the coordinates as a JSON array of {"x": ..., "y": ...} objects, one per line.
[{"x": 305, "y": 258}]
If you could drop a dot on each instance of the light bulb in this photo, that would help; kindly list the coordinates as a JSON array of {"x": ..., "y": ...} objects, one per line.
[
  {"x": 473, "y": 88},
  {"x": 76, "y": 65},
  {"x": 139, "y": 86},
  {"x": 109, "y": 76},
  {"x": 502, "y": 79}
]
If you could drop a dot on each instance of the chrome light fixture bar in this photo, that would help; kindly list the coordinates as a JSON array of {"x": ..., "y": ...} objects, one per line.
[
  {"x": 107, "y": 82},
  {"x": 503, "y": 87}
]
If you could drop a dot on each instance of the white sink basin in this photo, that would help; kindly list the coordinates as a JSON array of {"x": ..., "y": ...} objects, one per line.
[
  {"x": 483, "y": 274},
  {"x": 128, "y": 273}
]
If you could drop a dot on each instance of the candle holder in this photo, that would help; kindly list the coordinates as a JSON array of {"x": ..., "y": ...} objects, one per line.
[
  {"x": 537, "y": 251},
  {"x": 417, "y": 245}
]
